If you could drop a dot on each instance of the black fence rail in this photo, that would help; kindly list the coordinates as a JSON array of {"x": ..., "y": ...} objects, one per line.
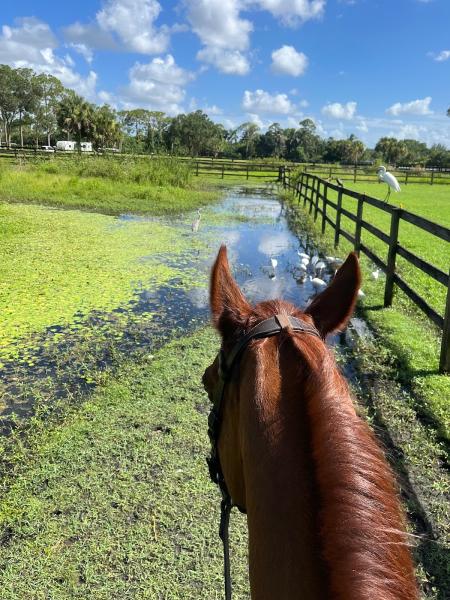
[
  {"x": 314, "y": 191},
  {"x": 242, "y": 170}
]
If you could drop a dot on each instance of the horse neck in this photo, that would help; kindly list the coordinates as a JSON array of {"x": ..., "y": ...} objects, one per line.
[{"x": 303, "y": 447}]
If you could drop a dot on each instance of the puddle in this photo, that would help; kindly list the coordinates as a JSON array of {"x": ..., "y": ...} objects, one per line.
[{"x": 66, "y": 360}]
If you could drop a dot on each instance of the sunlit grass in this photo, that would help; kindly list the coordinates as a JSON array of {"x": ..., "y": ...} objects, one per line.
[{"x": 105, "y": 185}]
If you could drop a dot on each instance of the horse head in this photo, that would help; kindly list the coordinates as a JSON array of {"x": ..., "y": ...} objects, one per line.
[{"x": 322, "y": 506}]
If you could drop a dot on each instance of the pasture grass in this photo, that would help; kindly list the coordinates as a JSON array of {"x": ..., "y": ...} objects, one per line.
[
  {"x": 112, "y": 499},
  {"x": 106, "y": 185},
  {"x": 431, "y": 202},
  {"x": 115, "y": 500},
  {"x": 414, "y": 342}
]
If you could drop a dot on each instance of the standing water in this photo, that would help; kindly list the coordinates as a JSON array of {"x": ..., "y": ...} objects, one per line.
[{"x": 266, "y": 261}]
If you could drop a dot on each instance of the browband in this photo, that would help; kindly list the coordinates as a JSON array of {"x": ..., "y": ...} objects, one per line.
[{"x": 266, "y": 328}]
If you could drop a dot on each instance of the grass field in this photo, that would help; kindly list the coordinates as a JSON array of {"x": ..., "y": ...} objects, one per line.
[
  {"x": 113, "y": 500},
  {"x": 413, "y": 339},
  {"x": 105, "y": 185}
]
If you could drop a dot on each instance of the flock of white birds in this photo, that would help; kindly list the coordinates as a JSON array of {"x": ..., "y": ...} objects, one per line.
[{"x": 314, "y": 263}]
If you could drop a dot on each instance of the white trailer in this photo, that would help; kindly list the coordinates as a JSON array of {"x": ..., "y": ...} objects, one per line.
[
  {"x": 86, "y": 147},
  {"x": 65, "y": 146}
]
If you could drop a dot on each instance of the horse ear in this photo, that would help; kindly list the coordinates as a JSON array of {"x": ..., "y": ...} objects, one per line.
[
  {"x": 332, "y": 309},
  {"x": 229, "y": 308}
]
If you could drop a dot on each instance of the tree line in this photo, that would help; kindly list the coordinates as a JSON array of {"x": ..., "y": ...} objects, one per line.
[{"x": 37, "y": 108}]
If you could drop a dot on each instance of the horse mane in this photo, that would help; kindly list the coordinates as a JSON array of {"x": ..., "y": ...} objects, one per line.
[{"x": 362, "y": 525}]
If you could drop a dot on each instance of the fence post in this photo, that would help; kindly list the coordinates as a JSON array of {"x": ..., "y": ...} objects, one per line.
[
  {"x": 197, "y": 169},
  {"x": 324, "y": 206},
  {"x": 316, "y": 206},
  {"x": 280, "y": 173},
  {"x": 358, "y": 224},
  {"x": 305, "y": 197},
  {"x": 406, "y": 178},
  {"x": 223, "y": 170},
  {"x": 432, "y": 178},
  {"x": 354, "y": 174},
  {"x": 392, "y": 254},
  {"x": 338, "y": 219},
  {"x": 300, "y": 188},
  {"x": 444, "y": 363},
  {"x": 247, "y": 172},
  {"x": 312, "y": 190}
]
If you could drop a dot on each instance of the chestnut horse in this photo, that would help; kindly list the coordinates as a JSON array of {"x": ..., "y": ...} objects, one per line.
[{"x": 323, "y": 513}]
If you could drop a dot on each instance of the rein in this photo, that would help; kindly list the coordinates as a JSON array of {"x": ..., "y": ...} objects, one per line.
[{"x": 265, "y": 329}]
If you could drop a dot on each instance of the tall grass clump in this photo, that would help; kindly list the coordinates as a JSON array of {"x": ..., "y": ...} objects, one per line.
[{"x": 159, "y": 171}]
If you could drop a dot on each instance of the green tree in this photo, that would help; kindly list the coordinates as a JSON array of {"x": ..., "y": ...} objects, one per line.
[
  {"x": 439, "y": 157},
  {"x": 106, "y": 128},
  {"x": 28, "y": 93},
  {"x": 249, "y": 135},
  {"x": 9, "y": 100},
  {"x": 274, "y": 141},
  {"x": 309, "y": 143},
  {"x": 195, "y": 134},
  {"x": 391, "y": 149},
  {"x": 157, "y": 125},
  {"x": 416, "y": 152},
  {"x": 51, "y": 91},
  {"x": 76, "y": 116}
]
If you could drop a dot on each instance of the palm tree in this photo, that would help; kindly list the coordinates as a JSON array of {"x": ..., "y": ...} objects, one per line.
[
  {"x": 76, "y": 116},
  {"x": 106, "y": 127}
]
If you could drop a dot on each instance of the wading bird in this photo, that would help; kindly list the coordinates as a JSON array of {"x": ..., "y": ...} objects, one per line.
[
  {"x": 274, "y": 263},
  {"x": 196, "y": 222},
  {"x": 391, "y": 181}
]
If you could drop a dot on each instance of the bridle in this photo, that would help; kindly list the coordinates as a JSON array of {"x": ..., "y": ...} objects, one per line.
[{"x": 265, "y": 329}]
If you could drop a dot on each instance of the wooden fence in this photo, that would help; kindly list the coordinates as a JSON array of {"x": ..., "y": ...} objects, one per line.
[
  {"x": 247, "y": 170},
  {"x": 315, "y": 191}
]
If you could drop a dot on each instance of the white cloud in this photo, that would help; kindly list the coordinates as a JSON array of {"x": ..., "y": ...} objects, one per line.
[
  {"x": 127, "y": 25},
  {"x": 158, "y": 85},
  {"x": 293, "y": 12},
  {"x": 133, "y": 21},
  {"x": 415, "y": 107},
  {"x": 223, "y": 33},
  {"x": 84, "y": 50},
  {"x": 287, "y": 61},
  {"x": 31, "y": 44},
  {"x": 218, "y": 24},
  {"x": 444, "y": 55},
  {"x": 336, "y": 110},
  {"x": 230, "y": 62},
  {"x": 262, "y": 102}
]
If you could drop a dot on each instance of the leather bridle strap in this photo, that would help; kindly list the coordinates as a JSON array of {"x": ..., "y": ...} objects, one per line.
[{"x": 265, "y": 329}]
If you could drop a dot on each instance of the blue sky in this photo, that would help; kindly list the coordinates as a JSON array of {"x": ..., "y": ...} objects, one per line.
[{"x": 367, "y": 67}]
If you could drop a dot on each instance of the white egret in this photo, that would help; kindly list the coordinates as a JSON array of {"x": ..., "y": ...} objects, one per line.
[
  {"x": 305, "y": 261},
  {"x": 314, "y": 260},
  {"x": 274, "y": 263},
  {"x": 391, "y": 181},
  {"x": 361, "y": 294},
  {"x": 196, "y": 222},
  {"x": 376, "y": 274},
  {"x": 318, "y": 284},
  {"x": 320, "y": 266},
  {"x": 303, "y": 254}
]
